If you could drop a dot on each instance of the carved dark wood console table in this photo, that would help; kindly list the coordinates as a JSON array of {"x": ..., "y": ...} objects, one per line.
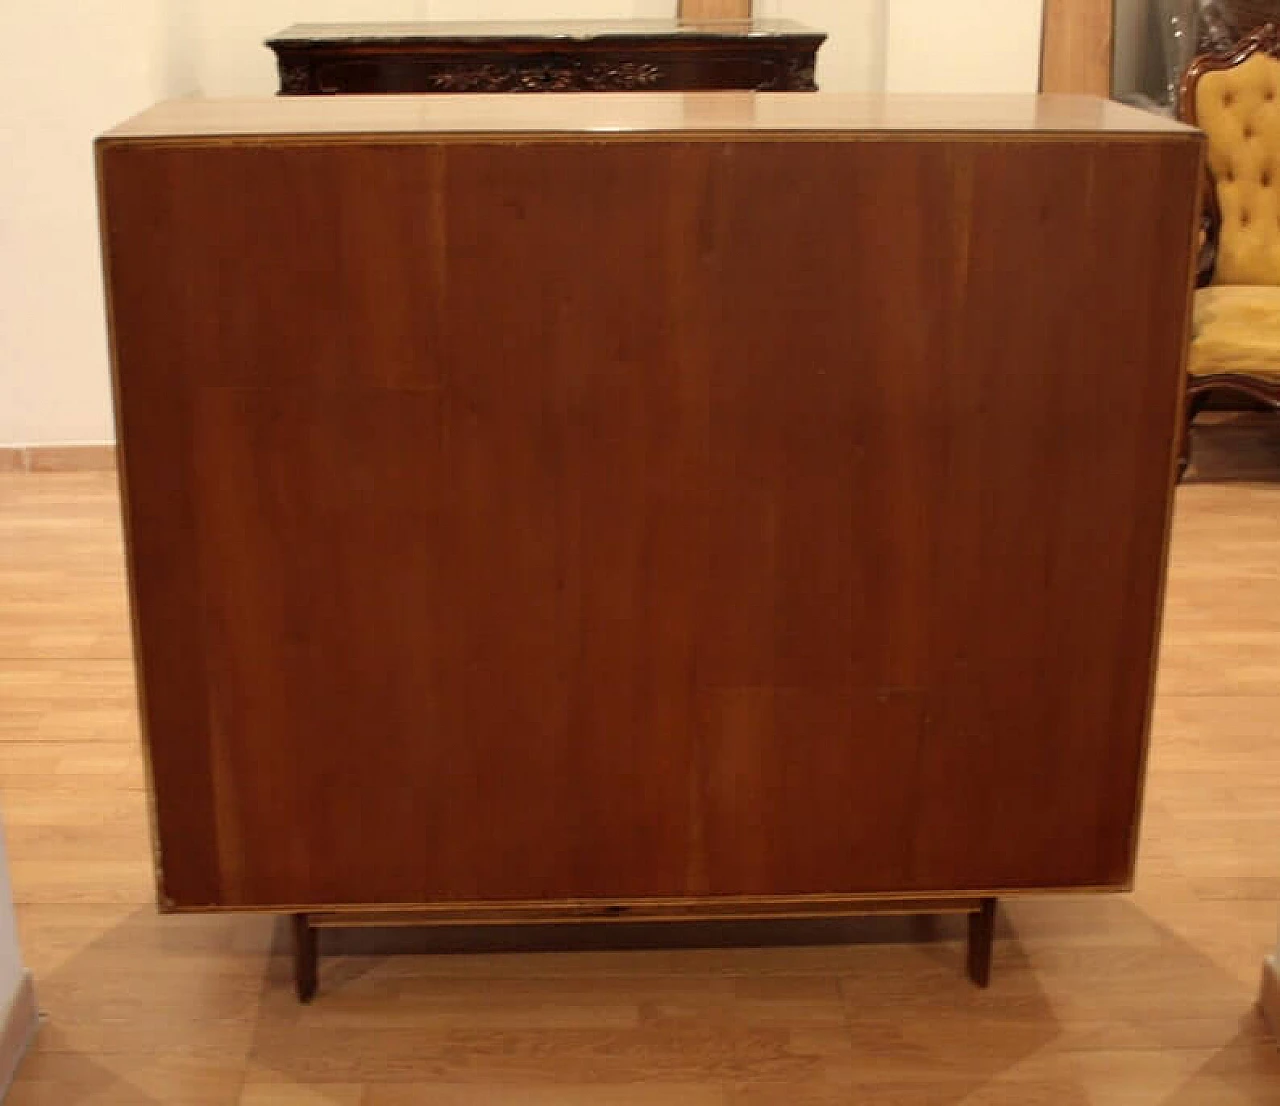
[{"x": 574, "y": 56}]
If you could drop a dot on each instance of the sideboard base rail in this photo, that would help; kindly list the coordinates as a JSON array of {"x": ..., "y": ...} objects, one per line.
[{"x": 981, "y": 914}]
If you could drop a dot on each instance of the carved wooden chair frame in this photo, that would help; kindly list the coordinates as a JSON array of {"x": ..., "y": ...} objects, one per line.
[{"x": 1265, "y": 39}]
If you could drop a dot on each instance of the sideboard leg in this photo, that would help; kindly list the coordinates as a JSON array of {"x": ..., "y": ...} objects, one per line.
[
  {"x": 982, "y": 936},
  {"x": 306, "y": 958}
]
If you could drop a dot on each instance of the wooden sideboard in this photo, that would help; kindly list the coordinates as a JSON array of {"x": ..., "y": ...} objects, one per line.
[
  {"x": 565, "y": 56},
  {"x": 767, "y": 515}
]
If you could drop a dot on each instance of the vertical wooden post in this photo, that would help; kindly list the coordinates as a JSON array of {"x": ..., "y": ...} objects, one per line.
[
  {"x": 982, "y": 936},
  {"x": 306, "y": 958},
  {"x": 695, "y": 10},
  {"x": 1076, "y": 47}
]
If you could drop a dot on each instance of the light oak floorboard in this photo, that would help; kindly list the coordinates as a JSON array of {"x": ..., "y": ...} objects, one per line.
[{"x": 1140, "y": 999}]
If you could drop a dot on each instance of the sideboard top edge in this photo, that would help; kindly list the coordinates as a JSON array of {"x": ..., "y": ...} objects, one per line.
[
  {"x": 609, "y": 115},
  {"x": 303, "y": 35}
]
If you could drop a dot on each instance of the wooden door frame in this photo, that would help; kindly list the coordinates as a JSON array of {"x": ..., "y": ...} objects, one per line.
[
  {"x": 714, "y": 9},
  {"x": 1076, "y": 43},
  {"x": 1077, "y": 46}
]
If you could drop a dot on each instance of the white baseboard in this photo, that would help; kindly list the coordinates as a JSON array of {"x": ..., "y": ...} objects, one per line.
[
  {"x": 1269, "y": 999},
  {"x": 17, "y": 1030}
]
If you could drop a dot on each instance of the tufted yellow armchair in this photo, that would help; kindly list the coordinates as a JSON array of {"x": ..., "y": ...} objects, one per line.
[{"x": 1235, "y": 344}]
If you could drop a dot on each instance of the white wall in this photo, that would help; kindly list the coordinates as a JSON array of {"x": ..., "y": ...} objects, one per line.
[
  {"x": 549, "y": 9},
  {"x": 233, "y": 61},
  {"x": 71, "y": 70},
  {"x": 943, "y": 46},
  {"x": 11, "y": 969},
  {"x": 114, "y": 57},
  {"x": 852, "y": 58}
]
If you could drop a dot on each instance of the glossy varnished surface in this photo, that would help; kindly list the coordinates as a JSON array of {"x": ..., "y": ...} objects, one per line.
[
  {"x": 644, "y": 113},
  {"x": 1139, "y": 999},
  {"x": 572, "y": 56},
  {"x": 547, "y": 30},
  {"x": 719, "y": 536}
]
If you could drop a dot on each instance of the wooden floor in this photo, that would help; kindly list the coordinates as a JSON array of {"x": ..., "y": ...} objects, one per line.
[{"x": 1130, "y": 1000}]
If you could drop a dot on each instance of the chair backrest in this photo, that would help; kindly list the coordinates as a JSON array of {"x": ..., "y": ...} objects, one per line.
[{"x": 1235, "y": 99}]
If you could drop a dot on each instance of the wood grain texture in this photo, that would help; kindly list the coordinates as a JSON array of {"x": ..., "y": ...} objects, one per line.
[
  {"x": 87, "y": 457},
  {"x": 714, "y": 9},
  {"x": 789, "y": 907},
  {"x": 572, "y": 56},
  {"x": 491, "y": 546},
  {"x": 1135, "y": 999},
  {"x": 1076, "y": 53},
  {"x": 680, "y": 114}
]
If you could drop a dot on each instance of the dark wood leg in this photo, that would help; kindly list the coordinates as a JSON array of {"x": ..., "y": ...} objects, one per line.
[
  {"x": 1193, "y": 403},
  {"x": 306, "y": 958},
  {"x": 982, "y": 938}
]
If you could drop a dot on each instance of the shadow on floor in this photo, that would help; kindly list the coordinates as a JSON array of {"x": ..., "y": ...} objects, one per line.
[{"x": 1230, "y": 446}]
